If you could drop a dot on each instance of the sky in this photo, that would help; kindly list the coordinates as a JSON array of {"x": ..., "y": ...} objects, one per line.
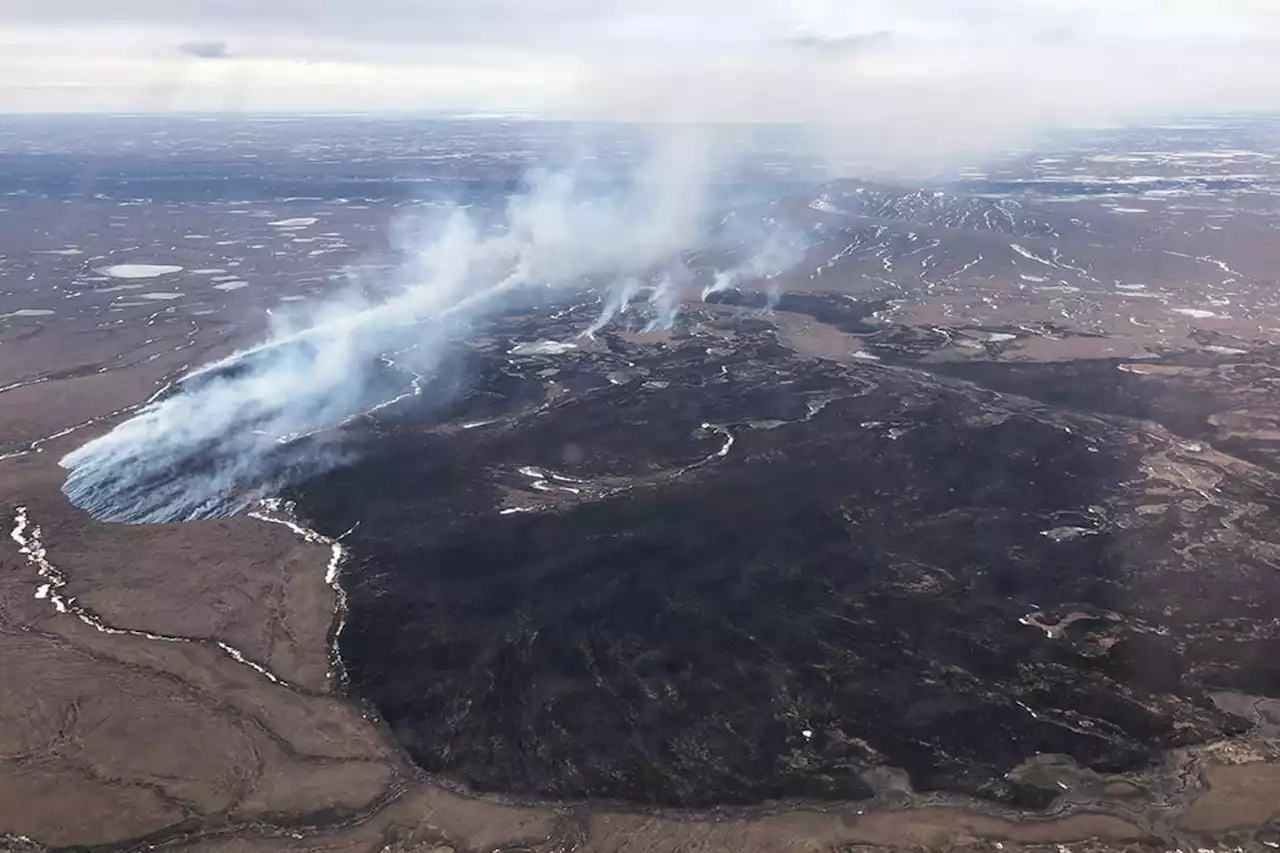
[{"x": 942, "y": 63}]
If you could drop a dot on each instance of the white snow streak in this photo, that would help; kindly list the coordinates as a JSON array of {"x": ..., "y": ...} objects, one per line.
[{"x": 31, "y": 545}]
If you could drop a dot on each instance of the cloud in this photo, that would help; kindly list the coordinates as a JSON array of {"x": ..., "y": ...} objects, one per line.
[
  {"x": 880, "y": 70},
  {"x": 576, "y": 24},
  {"x": 839, "y": 42},
  {"x": 205, "y": 49}
]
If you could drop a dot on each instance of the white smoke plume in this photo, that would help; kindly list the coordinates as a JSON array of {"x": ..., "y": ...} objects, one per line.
[
  {"x": 664, "y": 300},
  {"x": 616, "y": 302},
  {"x": 237, "y": 429},
  {"x": 771, "y": 249}
]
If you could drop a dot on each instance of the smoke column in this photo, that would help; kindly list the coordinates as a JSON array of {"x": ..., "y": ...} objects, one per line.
[
  {"x": 770, "y": 249},
  {"x": 236, "y": 430},
  {"x": 616, "y": 302}
]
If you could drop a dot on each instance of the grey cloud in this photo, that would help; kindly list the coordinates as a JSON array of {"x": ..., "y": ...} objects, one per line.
[
  {"x": 888, "y": 74},
  {"x": 840, "y": 43},
  {"x": 431, "y": 21},
  {"x": 587, "y": 25},
  {"x": 205, "y": 49}
]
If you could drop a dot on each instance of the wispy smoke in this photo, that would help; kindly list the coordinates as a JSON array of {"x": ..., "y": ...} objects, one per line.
[
  {"x": 237, "y": 429},
  {"x": 771, "y": 248},
  {"x": 616, "y": 302},
  {"x": 665, "y": 298}
]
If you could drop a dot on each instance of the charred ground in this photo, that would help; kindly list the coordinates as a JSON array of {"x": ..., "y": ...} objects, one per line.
[{"x": 711, "y": 571}]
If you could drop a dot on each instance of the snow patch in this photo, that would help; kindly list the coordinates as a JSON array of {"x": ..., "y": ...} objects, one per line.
[
  {"x": 139, "y": 270},
  {"x": 542, "y": 348}
]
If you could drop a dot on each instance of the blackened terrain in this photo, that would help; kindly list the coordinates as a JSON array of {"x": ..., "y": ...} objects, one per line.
[{"x": 708, "y": 571}]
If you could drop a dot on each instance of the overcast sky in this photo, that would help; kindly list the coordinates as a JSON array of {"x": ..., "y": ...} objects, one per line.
[{"x": 942, "y": 61}]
